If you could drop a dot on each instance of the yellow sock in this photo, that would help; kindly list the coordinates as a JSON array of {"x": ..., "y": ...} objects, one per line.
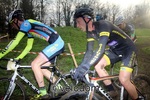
[{"x": 43, "y": 91}]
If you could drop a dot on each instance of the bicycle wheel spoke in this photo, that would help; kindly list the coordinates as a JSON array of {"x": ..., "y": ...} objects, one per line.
[{"x": 17, "y": 94}]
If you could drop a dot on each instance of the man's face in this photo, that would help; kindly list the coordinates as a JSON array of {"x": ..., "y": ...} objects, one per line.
[
  {"x": 122, "y": 25},
  {"x": 81, "y": 24},
  {"x": 14, "y": 24}
]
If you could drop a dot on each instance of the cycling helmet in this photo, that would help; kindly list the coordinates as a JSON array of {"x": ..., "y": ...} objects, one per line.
[
  {"x": 119, "y": 20},
  {"x": 15, "y": 14},
  {"x": 99, "y": 17},
  {"x": 83, "y": 10}
]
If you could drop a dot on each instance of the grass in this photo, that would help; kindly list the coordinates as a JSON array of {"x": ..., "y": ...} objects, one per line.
[
  {"x": 143, "y": 36},
  {"x": 77, "y": 39}
]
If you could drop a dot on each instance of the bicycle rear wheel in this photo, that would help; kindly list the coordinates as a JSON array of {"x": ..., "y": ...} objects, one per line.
[
  {"x": 73, "y": 95},
  {"x": 62, "y": 85},
  {"x": 142, "y": 82},
  {"x": 18, "y": 93}
]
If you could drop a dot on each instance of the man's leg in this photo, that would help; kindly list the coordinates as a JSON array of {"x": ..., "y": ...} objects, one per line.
[
  {"x": 102, "y": 72},
  {"x": 124, "y": 77},
  {"x": 47, "y": 73},
  {"x": 37, "y": 62}
]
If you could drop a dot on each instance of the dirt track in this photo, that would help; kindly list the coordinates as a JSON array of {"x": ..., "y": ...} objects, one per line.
[{"x": 143, "y": 59}]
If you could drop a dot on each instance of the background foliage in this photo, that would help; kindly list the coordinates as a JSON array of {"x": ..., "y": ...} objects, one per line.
[{"x": 60, "y": 12}]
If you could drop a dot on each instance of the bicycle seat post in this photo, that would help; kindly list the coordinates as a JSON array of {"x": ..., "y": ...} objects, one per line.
[{"x": 53, "y": 67}]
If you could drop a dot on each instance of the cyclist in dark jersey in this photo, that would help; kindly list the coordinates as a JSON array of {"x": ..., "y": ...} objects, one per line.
[
  {"x": 127, "y": 28},
  {"x": 32, "y": 28},
  {"x": 121, "y": 48}
]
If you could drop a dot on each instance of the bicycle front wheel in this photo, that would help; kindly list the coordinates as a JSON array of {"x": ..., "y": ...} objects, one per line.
[
  {"x": 79, "y": 96},
  {"x": 62, "y": 85},
  {"x": 18, "y": 93}
]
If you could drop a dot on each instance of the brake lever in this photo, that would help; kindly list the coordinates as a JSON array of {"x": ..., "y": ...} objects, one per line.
[{"x": 87, "y": 81}]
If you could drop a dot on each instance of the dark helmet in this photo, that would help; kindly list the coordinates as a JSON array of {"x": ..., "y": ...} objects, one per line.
[
  {"x": 15, "y": 14},
  {"x": 119, "y": 20},
  {"x": 83, "y": 10}
]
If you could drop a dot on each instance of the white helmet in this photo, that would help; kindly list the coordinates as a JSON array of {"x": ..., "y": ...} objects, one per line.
[{"x": 119, "y": 20}]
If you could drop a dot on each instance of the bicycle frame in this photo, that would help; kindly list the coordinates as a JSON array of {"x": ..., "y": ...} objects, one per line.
[
  {"x": 14, "y": 78},
  {"x": 94, "y": 81}
]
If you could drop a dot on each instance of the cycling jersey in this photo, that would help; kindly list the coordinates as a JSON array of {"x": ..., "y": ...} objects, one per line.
[
  {"x": 106, "y": 34},
  {"x": 33, "y": 28}
]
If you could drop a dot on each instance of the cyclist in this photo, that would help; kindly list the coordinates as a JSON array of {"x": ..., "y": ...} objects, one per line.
[
  {"x": 99, "y": 17},
  {"x": 127, "y": 28},
  {"x": 121, "y": 48},
  {"x": 32, "y": 28}
]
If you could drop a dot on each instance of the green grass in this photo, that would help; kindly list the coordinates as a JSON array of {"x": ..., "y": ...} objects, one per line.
[
  {"x": 142, "y": 32},
  {"x": 143, "y": 35}
]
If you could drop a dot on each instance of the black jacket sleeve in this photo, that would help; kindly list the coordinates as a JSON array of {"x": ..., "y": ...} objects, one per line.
[{"x": 92, "y": 57}]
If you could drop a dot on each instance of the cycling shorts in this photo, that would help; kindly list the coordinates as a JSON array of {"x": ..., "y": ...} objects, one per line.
[
  {"x": 54, "y": 49},
  {"x": 126, "y": 59}
]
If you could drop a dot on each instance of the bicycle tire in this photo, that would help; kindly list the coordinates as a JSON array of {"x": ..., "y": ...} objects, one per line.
[
  {"x": 65, "y": 81},
  {"x": 142, "y": 82},
  {"x": 73, "y": 95},
  {"x": 18, "y": 93}
]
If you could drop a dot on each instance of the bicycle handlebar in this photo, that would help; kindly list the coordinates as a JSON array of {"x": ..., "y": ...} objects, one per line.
[
  {"x": 87, "y": 82},
  {"x": 17, "y": 62},
  {"x": 85, "y": 78},
  {"x": 5, "y": 59},
  {"x": 10, "y": 59},
  {"x": 2, "y": 59}
]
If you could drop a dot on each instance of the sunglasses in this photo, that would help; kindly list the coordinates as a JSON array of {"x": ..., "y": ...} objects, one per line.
[{"x": 11, "y": 21}]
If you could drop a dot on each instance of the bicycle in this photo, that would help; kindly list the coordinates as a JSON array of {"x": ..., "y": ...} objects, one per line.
[
  {"x": 103, "y": 94},
  {"x": 12, "y": 88}
]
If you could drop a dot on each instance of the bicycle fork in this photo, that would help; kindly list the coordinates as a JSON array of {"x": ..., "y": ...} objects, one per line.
[{"x": 11, "y": 87}]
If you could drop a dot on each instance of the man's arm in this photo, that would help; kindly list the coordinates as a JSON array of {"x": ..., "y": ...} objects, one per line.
[
  {"x": 12, "y": 44},
  {"x": 89, "y": 50},
  {"x": 97, "y": 55},
  {"x": 94, "y": 58},
  {"x": 27, "y": 48}
]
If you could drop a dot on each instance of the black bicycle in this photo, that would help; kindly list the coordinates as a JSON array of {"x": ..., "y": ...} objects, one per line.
[
  {"x": 12, "y": 87},
  {"x": 141, "y": 82}
]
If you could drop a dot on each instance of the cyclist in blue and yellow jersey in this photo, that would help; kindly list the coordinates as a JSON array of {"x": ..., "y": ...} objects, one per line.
[
  {"x": 121, "y": 48},
  {"x": 127, "y": 28},
  {"x": 32, "y": 28}
]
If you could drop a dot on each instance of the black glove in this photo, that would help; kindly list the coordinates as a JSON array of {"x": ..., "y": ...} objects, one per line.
[{"x": 79, "y": 73}]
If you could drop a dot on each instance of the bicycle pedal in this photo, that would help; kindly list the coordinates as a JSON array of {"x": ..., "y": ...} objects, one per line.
[
  {"x": 141, "y": 98},
  {"x": 45, "y": 97}
]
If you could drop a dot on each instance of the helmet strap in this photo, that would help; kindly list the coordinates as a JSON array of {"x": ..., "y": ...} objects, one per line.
[{"x": 86, "y": 24}]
